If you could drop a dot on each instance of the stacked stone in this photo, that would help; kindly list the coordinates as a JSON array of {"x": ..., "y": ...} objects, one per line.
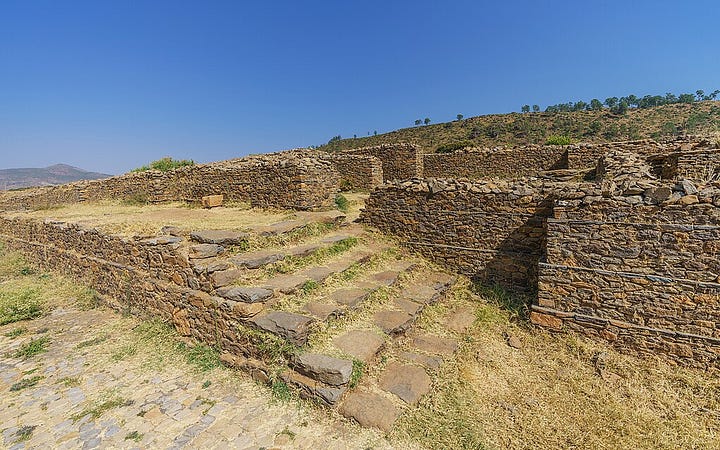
[{"x": 399, "y": 161}]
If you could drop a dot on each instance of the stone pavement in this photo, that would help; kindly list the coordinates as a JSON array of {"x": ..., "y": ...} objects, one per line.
[{"x": 99, "y": 386}]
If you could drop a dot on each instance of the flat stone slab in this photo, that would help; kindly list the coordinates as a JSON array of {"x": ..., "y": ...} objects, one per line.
[
  {"x": 386, "y": 278},
  {"x": 408, "y": 306},
  {"x": 225, "y": 277},
  {"x": 349, "y": 297},
  {"x": 407, "y": 381},
  {"x": 370, "y": 410},
  {"x": 335, "y": 239},
  {"x": 393, "y": 322},
  {"x": 255, "y": 260},
  {"x": 286, "y": 284},
  {"x": 245, "y": 294},
  {"x": 222, "y": 237},
  {"x": 461, "y": 319},
  {"x": 162, "y": 240},
  {"x": 362, "y": 345},
  {"x": 420, "y": 293},
  {"x": 317, "y": 273},
  {"x": 329, "y": 370},
  {"x": 434, "y": 344},
  {"x": 286, "y": 226},
  {"x": 205, "y": 250},
  {"x": 210, "y": 265},
  {"x": 313, "y": 389},
  {"x": 300, "y": 251},
  {"x": 293, "y": 327},
  {"x": 431, "y": 362},
  {"x": 323, "y": 311}
]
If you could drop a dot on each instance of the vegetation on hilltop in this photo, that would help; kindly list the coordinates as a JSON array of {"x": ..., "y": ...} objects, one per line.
[
  {"x": 595, "y": 125},
  {"x": 165, "y": 164}
]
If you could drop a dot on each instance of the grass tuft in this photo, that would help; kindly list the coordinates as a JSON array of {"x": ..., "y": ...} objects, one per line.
[
  {"x": 26, "y": 383},
  {"x": 97, "y": 409},
  {"x": 32, "y": 348}
]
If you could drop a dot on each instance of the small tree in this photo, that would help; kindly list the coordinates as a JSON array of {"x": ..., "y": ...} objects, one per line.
[
  {"x": 595, "y": 104},
  {"x": 611, "y": 102},
  {"x": 418, "y": 122},
  {"x": 536, "y": 108},
  {"x": 375, "y": 133},
  {"x": 525, "y": 108},
  {"x": 459, "y": 117},
  {"x": 427, "y": 120},
  {"x": 700, "y": 95}
]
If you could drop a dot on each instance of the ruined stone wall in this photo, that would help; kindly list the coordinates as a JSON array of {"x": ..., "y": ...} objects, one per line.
[
  {"x": 586, "y": 155},
  {"x": 357, "y": 172},
  {"x": 276, "y": 180},
  {"x": 501, "y": 163},
  {"x": 698, "y": 165},
  {"x": 490, "y": 232},
  {"x": 399, "y": 161},
  {"x": 644, "y": 277}
]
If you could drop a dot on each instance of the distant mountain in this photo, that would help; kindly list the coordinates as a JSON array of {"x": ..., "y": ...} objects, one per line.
[{"x": 57, "y": 174}]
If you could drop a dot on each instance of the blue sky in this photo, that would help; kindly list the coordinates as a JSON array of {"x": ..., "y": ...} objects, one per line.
[{"x": 111, "y": 85}]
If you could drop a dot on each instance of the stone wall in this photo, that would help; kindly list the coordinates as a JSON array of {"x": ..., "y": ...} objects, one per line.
[
  {"x": 357, "y": 172},
  {"x": 501, "y": 163},
  {"x": 490, "y": 232},
  {"x": 697, "y": 165},
  {"x": 642, "y": 276},
  {"x": 399, "y": 161},
  {"x": 282, "y": 180}
]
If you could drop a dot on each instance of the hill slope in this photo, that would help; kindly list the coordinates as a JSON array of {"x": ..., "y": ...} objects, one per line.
[
  {"x": 534, "y": 128},
  {"x": 57, "y": 174}
]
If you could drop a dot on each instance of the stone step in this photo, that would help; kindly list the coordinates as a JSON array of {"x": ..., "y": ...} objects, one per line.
[{"x": 291, "y": 283}]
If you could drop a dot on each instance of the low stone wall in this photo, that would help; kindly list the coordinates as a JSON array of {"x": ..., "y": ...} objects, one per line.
[
  {"x": 495, "y": 163},
  {"x": 399, "y": 161},
  {"x": 586, "y": 155},
  {"x": 490, "y": 232},
  {"x": 282, "y": 180}
]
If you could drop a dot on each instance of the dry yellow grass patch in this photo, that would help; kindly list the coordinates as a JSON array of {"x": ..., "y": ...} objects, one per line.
[
  {"x": 549, "y": 394},
  {"x": 116, "y": 218}
]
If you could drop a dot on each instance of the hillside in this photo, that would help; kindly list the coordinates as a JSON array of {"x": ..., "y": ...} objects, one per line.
[
  {"x": 534, "y": 128},
  {"x": 57, "y": 174}
]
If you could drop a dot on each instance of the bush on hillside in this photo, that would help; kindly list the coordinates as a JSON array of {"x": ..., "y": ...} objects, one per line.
[
  {"x": 165, "y": 164},
  {"x": 558, "y": 140}
]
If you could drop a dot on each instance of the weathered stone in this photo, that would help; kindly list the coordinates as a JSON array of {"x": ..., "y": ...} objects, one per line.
[
  {"x": 351, "y": 297},
  {"x": 408, "y": 306},
  {"x": 311, "y": 388},
  {"x": 212, "y": 201},
  {"x": 329, "y": 370},
  {"x": 420, "y": 293},
  {"x": 205, "y": 250},
  {"x": 209, "y": 265},
  {"x": 407, "y": 381},
  {"x": 245, "y": 294},
  {"x": 280, "y": 227},
  {"x": 318, "y": 273},
  {"x": 286, "y": 284},
  {"x": 431, "y": 362},
  {"x": 225, "y": 277},
  {"x": 545, "y": 320},
  {"x": 514, "y": 342},
  {"x": 245, "y": 310},
  {"x": 222, "y": 237},
  {"x": 323, "y": 311},
  {"x": 386, "y": 278},
  {"x": 689, "y": 200},
  {"x": 361, "y": 345},
  {"x": 258, "y": 259},
  {"x": 370, "y": 410},
  {"x": 393, "y": 322},
  {"x": 688, "y": 187},
  {"x": 293, "y": 327},
  {"x": 435, "y": 344},
  {"x": 171, "y": 230},
  {"x": 301, "y": 251},
  {"x": 461, "y": 319}
]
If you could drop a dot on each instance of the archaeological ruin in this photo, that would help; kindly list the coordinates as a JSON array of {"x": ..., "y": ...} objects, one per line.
[{"x": 615, "y": 241}]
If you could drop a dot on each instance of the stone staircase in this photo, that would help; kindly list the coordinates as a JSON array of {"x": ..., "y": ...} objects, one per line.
[{"x": 332, "y": 316}]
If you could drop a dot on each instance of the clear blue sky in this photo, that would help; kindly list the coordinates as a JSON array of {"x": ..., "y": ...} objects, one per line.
[{"x": 111, "y": 85}]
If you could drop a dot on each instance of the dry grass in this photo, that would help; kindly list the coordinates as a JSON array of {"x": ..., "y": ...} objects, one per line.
[
  {"x": 549, "y": 394},
  {"x": 128, "y": 220}
]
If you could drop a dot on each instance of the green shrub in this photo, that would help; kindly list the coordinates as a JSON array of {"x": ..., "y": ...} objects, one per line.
[
  {"x": 558, "y": 140},
  {"x": 19, "y": 305},
  {"x": 342, "y": 203},
  {"x": 165, "y": 164},
  {"x": 449, "y": 148}
]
